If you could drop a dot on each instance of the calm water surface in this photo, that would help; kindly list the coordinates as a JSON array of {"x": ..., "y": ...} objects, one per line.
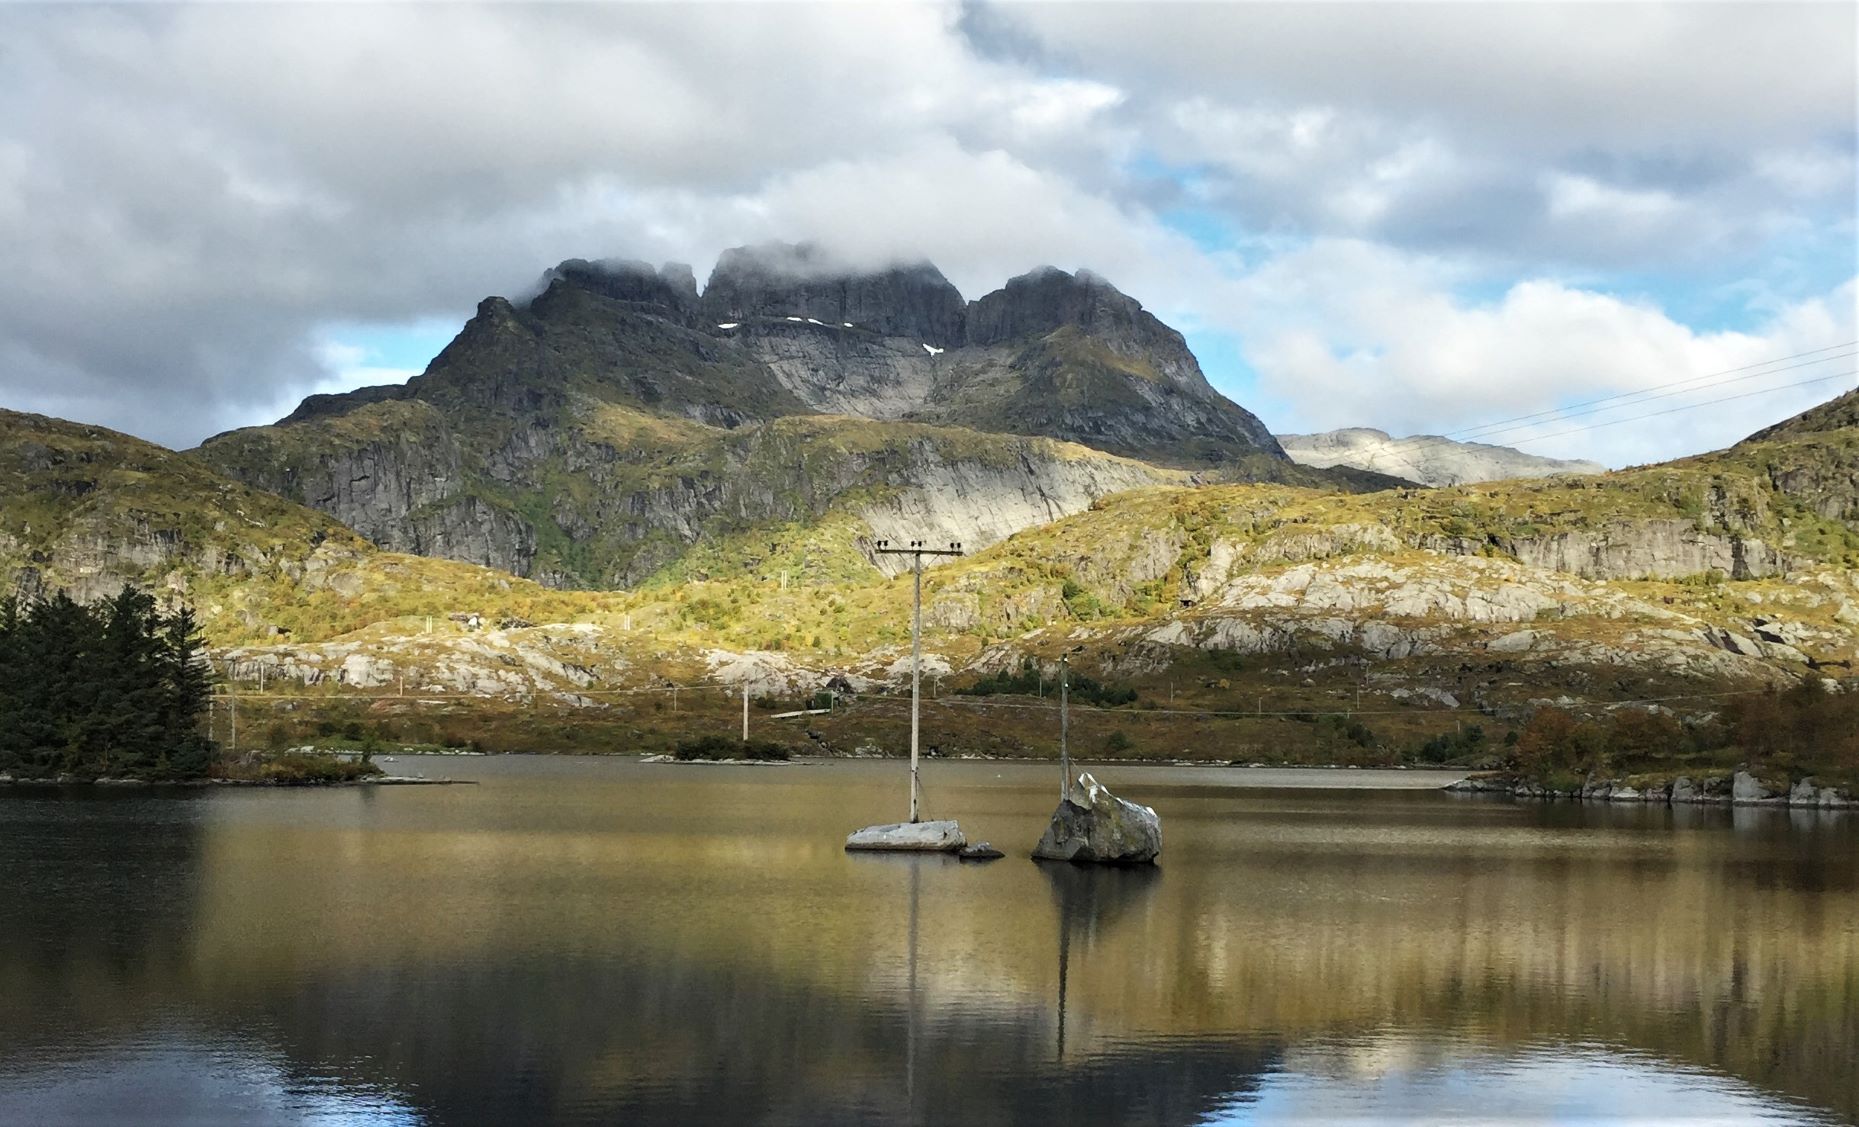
[{"x": 588, "y": 941}]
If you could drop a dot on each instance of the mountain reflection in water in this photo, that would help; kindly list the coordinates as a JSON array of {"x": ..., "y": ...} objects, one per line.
[{"x": 603, "y": 941}]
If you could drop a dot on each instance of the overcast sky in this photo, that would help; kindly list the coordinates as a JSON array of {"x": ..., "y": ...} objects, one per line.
[{"x": 1417, "y": 217}]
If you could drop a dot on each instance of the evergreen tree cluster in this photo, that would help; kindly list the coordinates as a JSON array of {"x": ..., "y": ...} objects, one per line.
[{"x": 113, "y": 688}]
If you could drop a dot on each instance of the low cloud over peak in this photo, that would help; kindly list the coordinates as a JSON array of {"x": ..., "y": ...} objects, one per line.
[{"x": 201, "y": 195}]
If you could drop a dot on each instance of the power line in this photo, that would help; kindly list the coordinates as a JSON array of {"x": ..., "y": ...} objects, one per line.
[
  {"x": 1572, "y": 413},
  {"x": 1688, "y": 407},
  {"x": 1401, "y": 449},
  {"x": 1656, "y": 387}
]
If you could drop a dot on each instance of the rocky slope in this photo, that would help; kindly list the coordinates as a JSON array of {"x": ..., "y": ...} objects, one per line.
[
  {"x": 1424, "y": 458},
  {"x": 1839, "y": 413},
  {"x": 1670, "y": 583},
  {"x": 85, "y": 510},
  {"x": 597, "y": 433}
]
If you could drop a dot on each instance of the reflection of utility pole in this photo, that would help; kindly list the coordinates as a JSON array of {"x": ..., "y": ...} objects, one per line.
[
  {"x": 910, "y": 1017},
  {"x": 916, "y": 551},
  {"x": 1065, "y": 719},
  {"x": 1065, "y": 948}
]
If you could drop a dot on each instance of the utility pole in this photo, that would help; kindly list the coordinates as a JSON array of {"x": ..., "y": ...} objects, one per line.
[
  {"x": 916, "y": 551},
  {"x": 1065, "y": 721},
  {"x": 745, "y": 712}
]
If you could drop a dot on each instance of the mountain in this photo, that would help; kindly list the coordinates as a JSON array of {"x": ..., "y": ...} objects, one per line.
[
  {"x": 1424, "y": 458},
  {"x": 1839, "y": 413},
  {"x": 596, "y": 433},
  {"x": 1813, "y": 457},
  {"x": 1050, "y": 353}
]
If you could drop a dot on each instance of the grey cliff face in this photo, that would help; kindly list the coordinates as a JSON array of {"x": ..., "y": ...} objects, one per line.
[
  {"x": 524, "y": 445},
  {"x": 671, "y": 288},
  {"x": 779, "y": 281},
  {"x": 1050, "y": 353}
]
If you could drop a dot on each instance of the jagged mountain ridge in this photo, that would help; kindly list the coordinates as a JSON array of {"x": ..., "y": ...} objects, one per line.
[
  {"x": 595, "y": 433},
  {"x": 1051, "y": 353},
  {"x": 1424, "y": 458}
]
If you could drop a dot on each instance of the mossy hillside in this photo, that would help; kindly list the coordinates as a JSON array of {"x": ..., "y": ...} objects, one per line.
[
  {"x": 74, "y": 495},
  {"x": 614, "y": 494}
]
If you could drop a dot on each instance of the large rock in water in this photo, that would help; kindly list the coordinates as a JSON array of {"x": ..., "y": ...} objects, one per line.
[
  {"x": 1092, "y": 825},
  {"x": 908, "y": 837}
]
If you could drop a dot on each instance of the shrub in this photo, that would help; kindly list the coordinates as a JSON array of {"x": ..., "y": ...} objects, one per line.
[
  {"x": 1027, "y": 682},
  {"x": 298, "y": 769},
  {"x": 1556, "y": 742},
  {"x": 721, "y": 747}
]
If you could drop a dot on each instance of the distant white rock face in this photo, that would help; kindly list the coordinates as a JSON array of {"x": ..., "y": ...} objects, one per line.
[{"x": 1427, "y": 459}]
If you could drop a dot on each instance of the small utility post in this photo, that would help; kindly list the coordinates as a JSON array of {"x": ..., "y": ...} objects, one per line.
[
  {"x": 916, "y": 551},
  {"x": 1065, "y": 721},
  {"x": 745, "y": 712}
]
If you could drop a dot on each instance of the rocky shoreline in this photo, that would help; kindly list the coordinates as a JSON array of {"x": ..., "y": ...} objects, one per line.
[
  {"x": 375, "y": 781},
  {"x": 1739, "y": 789}
]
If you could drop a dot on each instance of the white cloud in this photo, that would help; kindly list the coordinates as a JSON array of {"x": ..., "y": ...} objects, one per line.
[
  {"x": 1349, "y": 334},
  {"x": 197, "y": 190}
]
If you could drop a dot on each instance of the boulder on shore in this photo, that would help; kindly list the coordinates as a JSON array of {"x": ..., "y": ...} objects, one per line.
[
  {"x": 1747, "y": 790},
  {"x": 908, "y": 837},
  {"x": 1094, "y": 826}
]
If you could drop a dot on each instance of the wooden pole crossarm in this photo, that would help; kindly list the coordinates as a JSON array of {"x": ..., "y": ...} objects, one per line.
[{"x": 916, "y": 549}]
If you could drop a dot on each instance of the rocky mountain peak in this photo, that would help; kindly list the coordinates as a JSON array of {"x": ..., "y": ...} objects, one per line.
[
  {"x": 802, "y": 280},
  {"x": 670, "y": 288},
  {"x": 1048, "y": 298}
]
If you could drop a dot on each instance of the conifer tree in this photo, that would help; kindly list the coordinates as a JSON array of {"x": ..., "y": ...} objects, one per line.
[{"x": 116, "y": 688}]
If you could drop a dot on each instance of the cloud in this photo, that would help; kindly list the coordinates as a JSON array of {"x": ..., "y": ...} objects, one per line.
[
  {"x": 1553, "y": 77},
  {"x": 1343, "y": 331},
  {"x": 192, "y": 195}
]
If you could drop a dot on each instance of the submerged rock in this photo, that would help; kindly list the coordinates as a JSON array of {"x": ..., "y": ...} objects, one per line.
[
  {"x": 1092, "y": 825},
  {"x": 910, "y": 837},
  {"x": 980, "y": 851}
]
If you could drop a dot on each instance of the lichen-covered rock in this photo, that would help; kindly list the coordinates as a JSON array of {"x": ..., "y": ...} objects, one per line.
[
  {"x": 1092, "y": 825},
  {"x": 908, "y": 837}
]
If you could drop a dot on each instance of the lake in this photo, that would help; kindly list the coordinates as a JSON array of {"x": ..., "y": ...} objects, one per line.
[{"x": 605, "y": 941}]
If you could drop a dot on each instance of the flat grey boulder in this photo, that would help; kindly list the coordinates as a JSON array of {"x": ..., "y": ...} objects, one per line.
[
  {"x": 908, "y": 837},
  {"x": 1093, "y": 826}
]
